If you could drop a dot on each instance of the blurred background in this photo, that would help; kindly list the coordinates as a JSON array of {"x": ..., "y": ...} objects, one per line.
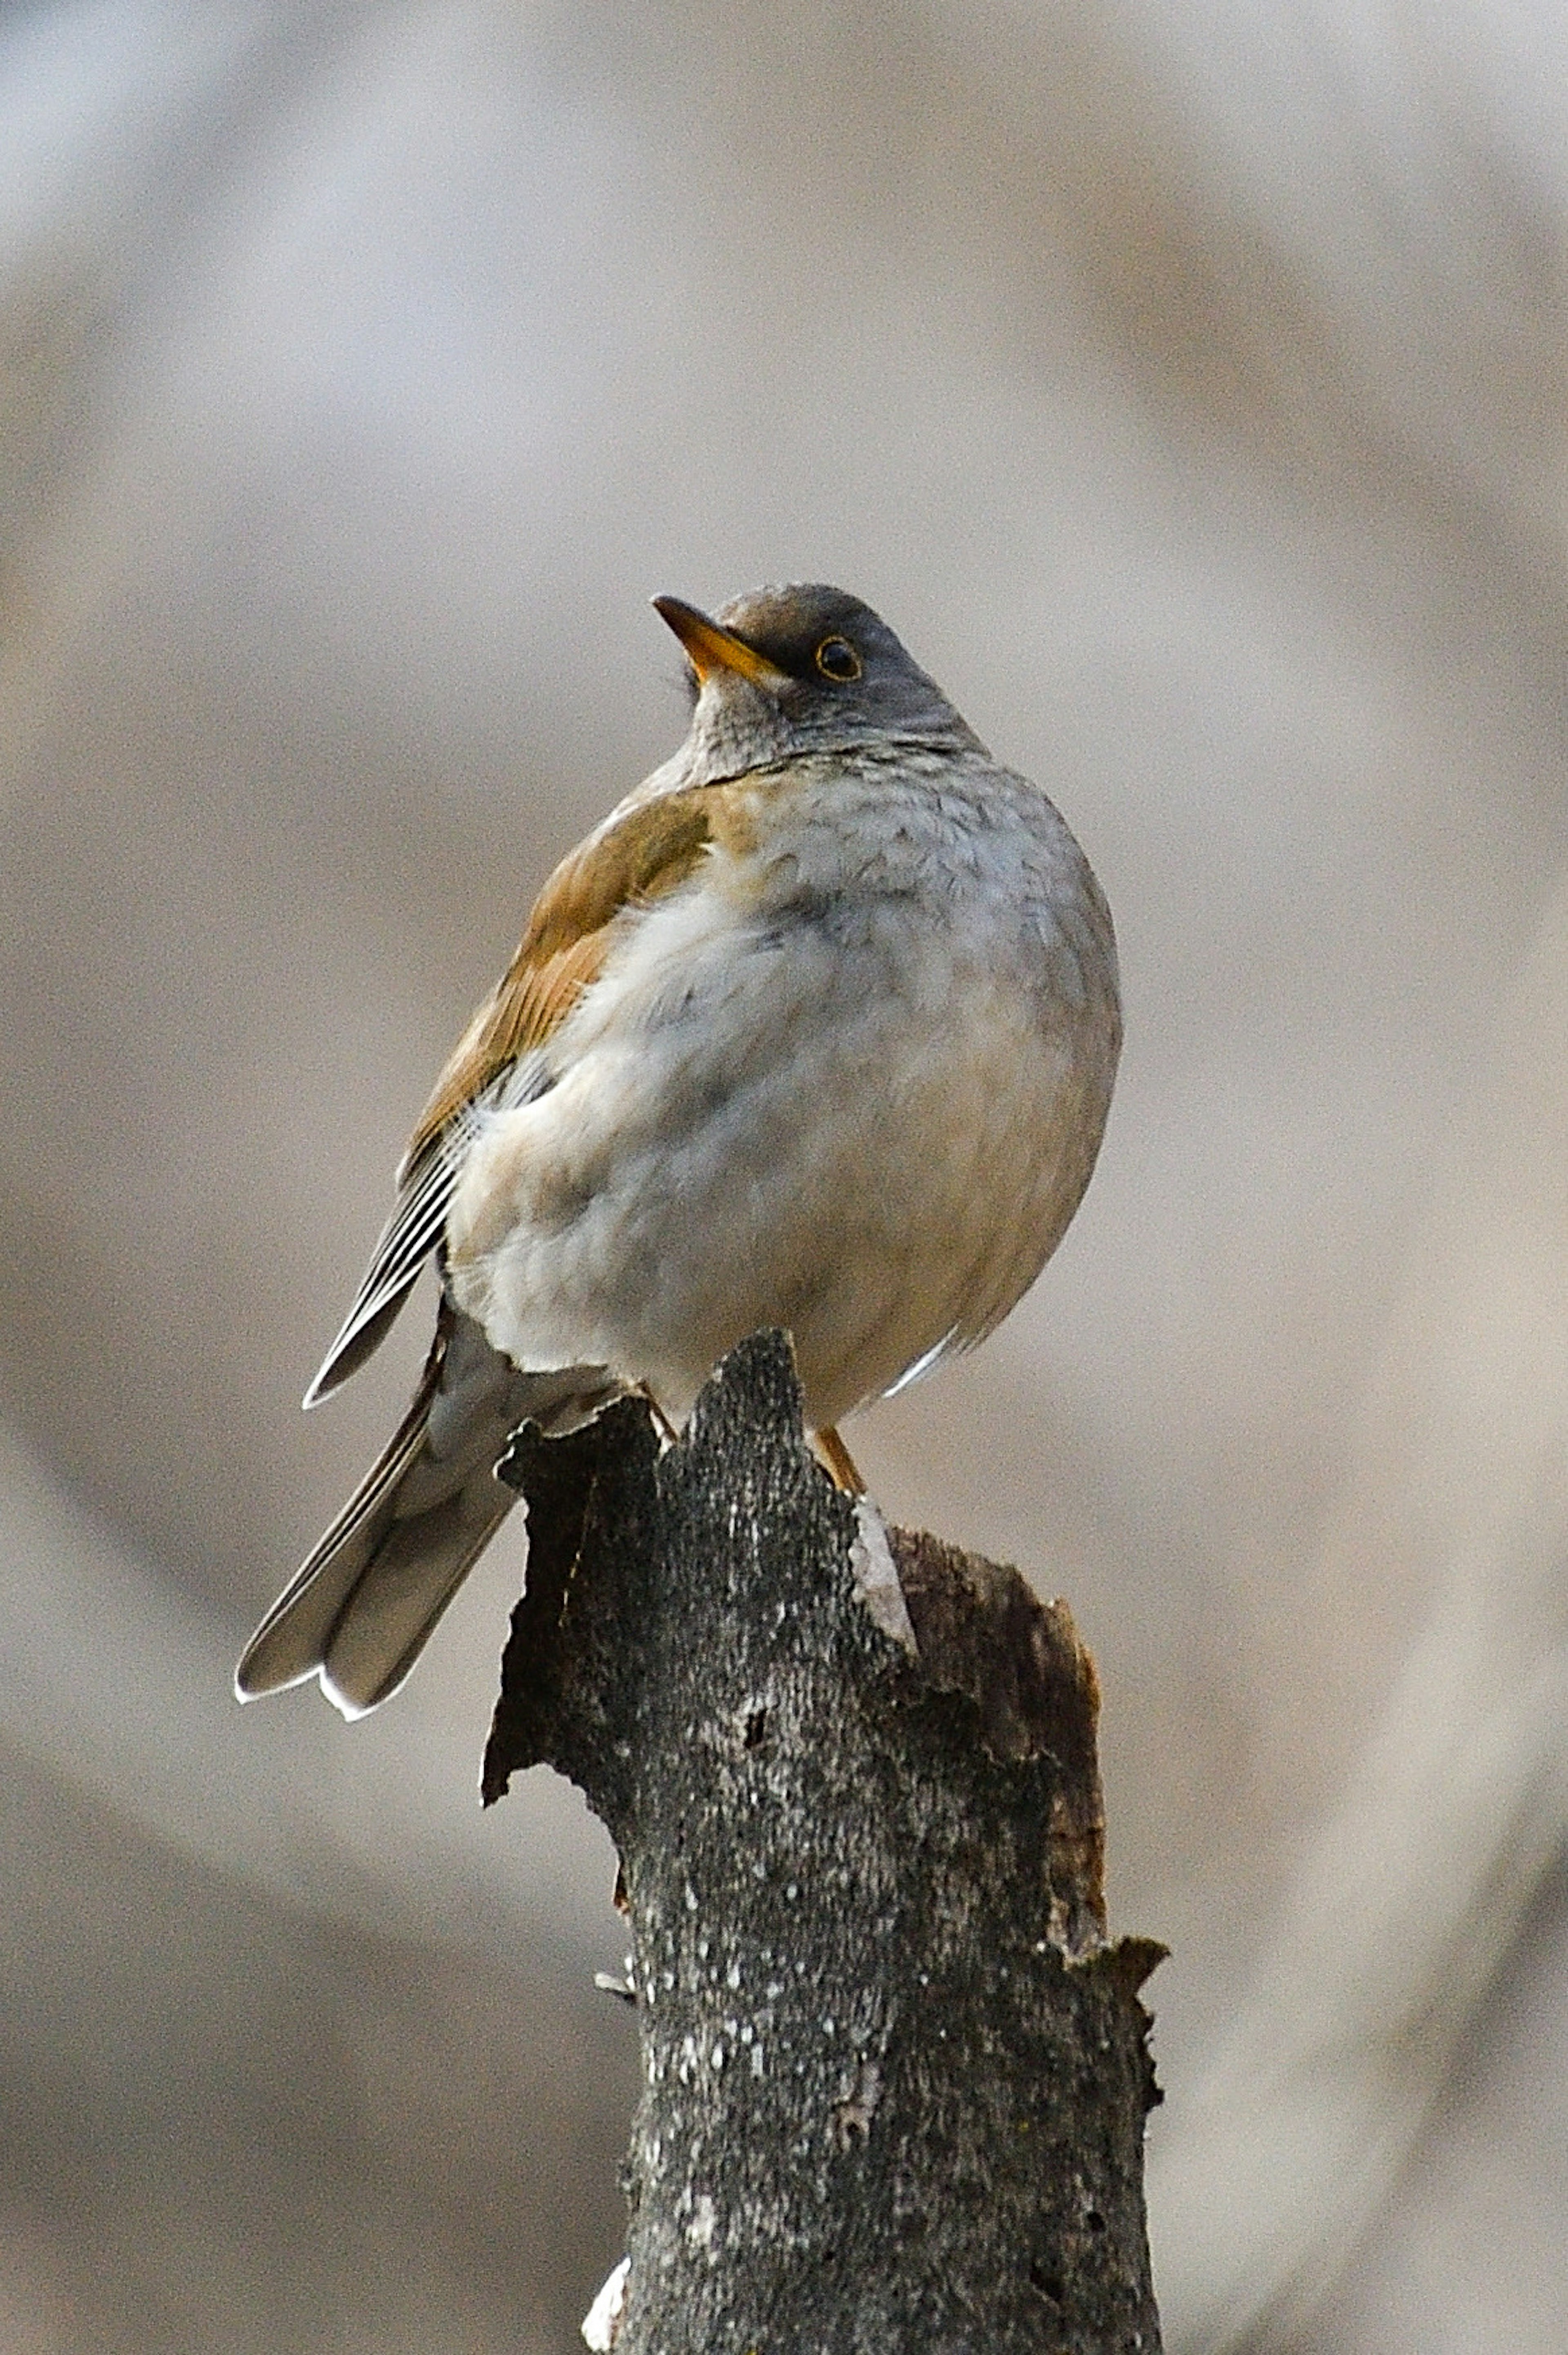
[{"x": 1186, "y": 385}]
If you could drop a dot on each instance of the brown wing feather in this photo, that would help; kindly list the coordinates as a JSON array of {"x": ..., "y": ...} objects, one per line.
[
  {"x": 639, "y": 857},
  {"x": 648, "y": 850}
]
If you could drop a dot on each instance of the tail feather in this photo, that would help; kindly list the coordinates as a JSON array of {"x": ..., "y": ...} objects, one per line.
[{"x": 360, "y": 1609}]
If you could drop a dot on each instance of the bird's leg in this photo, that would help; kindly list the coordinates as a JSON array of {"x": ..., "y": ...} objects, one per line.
[{"x": 837, "y": 1461}]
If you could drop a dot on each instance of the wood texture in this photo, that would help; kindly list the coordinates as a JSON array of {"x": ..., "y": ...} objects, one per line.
[{"x": 895, "y": 2075}]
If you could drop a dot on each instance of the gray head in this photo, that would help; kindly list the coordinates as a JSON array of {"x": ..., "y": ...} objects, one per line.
[{"x": 803, "y": 669}]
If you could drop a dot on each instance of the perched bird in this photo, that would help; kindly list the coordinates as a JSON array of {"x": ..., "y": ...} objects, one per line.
[{"x": 817, "y": 1029}]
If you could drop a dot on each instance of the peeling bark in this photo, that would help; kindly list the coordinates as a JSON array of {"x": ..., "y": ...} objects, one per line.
[{"x": 895, "y": 2075}]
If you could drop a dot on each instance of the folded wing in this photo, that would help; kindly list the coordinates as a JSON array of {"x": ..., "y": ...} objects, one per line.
[{"x": 499, "y": 1062}]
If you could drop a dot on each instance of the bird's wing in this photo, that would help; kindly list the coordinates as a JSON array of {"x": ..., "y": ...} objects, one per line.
[
  {"x": 426, "y": 1185},
  {"x": 643, "y": 850}
]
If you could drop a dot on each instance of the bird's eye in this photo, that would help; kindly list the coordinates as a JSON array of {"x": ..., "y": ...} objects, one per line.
[{"x": 836, "y": 658}]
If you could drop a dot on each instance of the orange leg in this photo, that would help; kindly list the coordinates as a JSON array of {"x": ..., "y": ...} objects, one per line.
[{"x": 838, "y": 1461}]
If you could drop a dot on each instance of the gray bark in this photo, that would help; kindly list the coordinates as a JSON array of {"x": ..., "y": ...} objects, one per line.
[{"x": 895, "y": 2075}]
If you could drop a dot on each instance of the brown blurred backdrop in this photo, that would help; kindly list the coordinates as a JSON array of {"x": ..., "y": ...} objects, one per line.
[{"x": 1187, "y": 388}]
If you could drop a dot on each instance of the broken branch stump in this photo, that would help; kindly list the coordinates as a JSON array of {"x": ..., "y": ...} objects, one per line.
[{"x": 894, "y": 2074}]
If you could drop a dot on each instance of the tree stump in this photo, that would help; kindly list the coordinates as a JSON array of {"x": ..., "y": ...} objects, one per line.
[{"x": 895, "y": 2075}]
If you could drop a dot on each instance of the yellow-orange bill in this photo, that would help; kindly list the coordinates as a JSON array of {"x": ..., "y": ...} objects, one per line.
[{"x": 711, "y": 647}]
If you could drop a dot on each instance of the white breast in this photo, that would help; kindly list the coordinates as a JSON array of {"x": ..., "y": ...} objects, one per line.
[{"x": 852, "y": 1083}]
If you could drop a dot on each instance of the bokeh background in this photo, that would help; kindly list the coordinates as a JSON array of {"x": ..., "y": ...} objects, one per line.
[{"x": 1186, "y": 385}]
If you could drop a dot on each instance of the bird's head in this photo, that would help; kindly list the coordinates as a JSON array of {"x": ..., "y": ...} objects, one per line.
[{"x": 806, "y": 669}]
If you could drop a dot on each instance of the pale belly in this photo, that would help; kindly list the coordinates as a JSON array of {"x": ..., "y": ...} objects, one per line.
[{"x": 872, "y": 1131}]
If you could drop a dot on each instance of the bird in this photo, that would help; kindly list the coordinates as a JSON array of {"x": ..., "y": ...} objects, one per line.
[{"x": 817, "y": 1029}]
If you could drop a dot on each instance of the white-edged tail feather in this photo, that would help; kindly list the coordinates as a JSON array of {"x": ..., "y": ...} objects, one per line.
[{"x": 362, "y": 1607}]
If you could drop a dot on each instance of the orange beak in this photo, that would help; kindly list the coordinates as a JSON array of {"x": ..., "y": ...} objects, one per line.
[{"x": 711, "y": 648}]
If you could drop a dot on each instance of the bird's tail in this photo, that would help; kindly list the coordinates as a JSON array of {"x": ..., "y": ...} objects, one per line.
[{"x": 361, "y": 1607}]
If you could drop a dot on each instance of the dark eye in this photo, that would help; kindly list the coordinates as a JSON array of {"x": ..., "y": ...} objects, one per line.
[{"x": 836, "y": 658}]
